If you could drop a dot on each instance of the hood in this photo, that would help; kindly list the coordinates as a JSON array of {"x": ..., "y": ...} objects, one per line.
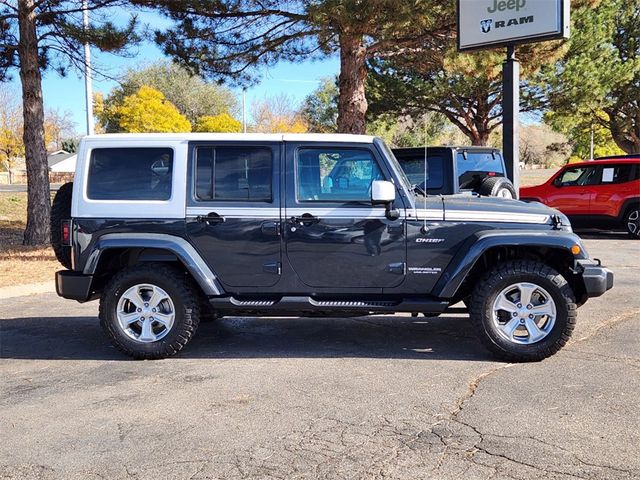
[{"x": 492, "y": 209}]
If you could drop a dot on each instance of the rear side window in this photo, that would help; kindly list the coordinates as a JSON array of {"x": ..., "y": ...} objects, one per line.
[
  {"x": 617, "y": 173},
  {"x": 414, "y": 169},
  {"x": 130, "y": 174},
  {"x": 234, "y": 173}
]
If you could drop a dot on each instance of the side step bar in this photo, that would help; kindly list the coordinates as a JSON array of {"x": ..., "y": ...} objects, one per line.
[{"x": 293, "y": 305}]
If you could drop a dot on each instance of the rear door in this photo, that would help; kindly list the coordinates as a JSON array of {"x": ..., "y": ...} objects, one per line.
[
  {"x": 615, "y": 183},
  {"x": 334, "y": 236},
  {"x": 233, "y": 210}
]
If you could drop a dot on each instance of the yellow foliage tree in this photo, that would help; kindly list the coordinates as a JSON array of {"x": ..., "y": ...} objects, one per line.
[
  {"x": 221, "y": 123},
  {"x": 148, "y": 111},
  {"x": 11, "y": 145},
  {"x": 277, "y": 115}
]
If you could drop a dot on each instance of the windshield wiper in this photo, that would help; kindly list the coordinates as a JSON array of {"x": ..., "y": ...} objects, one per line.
[{"x": 418, "y": 189}]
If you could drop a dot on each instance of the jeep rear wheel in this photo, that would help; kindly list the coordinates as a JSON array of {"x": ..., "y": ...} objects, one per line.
[
  {"x": 523, "y": 311},
  {"x": 149, "y": 311},
  {"x": 632, "y": 221}
]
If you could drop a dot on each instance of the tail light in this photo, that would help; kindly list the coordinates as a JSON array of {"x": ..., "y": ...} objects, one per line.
[{"x": 66, "y": 232}]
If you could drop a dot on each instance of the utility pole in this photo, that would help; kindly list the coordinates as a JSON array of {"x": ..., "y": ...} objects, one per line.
[
  {"x": 87, "y": 71},
  {"x": 591, "y": 145},
  {"x": 510, "y": 111},
  {"x": 244, "y": 110}
]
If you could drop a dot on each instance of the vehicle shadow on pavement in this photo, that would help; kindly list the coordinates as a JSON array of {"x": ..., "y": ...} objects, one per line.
[{"x": 395, "y": 337}]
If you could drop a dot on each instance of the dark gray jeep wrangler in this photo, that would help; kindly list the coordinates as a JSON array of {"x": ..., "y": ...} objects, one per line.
[{"x": 167, "y": 228}]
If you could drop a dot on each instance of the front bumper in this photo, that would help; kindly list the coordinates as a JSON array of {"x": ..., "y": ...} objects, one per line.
[
  {"x": 73, "y": 285},
  {"x": 597, "y": 279}
]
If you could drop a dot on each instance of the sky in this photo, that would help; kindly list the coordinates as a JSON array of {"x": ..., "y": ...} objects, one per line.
[{"x": 67, "y": 93}]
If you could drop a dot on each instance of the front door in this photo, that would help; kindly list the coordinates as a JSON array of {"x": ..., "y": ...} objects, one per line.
[
  {"x": 573, "y": 190},
  {"x": 233, "y": 211},
  {"x": 334, "y": 236}
]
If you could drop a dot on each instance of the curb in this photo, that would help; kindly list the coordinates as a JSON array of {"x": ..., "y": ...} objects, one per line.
[{"x": 28, "y": 289}]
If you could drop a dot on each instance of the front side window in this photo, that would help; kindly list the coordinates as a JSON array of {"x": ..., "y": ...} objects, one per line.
[
  {"x": 130, "y": 174},
  {"x": 577, "y": 176},
  {"x": 336, "y": 175},
  {"x": 234, "y": 173}
]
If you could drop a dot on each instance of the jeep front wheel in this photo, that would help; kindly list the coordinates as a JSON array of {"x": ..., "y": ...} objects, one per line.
[
  {"x": 149, "y": 311},
  {"x": 523, "y": 311}
]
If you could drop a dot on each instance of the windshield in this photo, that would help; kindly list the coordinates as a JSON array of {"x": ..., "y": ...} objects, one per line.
[{"x": 394, "y": 164}]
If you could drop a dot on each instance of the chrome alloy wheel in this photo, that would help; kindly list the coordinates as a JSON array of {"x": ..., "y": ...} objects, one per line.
[
  {"x": 524, "y": 313},
  {"x": 633, "y": 223},
  {"x": 145, "y": 313}
]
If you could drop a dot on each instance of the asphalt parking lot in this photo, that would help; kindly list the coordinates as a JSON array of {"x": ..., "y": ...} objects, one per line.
[{"x": 372, "y": 397}]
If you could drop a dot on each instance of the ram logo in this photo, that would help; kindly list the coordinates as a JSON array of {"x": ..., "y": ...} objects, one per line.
[{"x": 486, "y": 25}]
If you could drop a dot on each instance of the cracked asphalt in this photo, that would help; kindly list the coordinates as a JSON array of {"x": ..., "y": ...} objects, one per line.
[{"x": 374, "y": 397}]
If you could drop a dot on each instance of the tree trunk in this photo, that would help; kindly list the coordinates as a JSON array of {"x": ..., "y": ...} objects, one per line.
[
  {"x": 625, "y": 129},
  {"x": 39, "y": 199},
  {"x": 478, "y": 133},
  {"x": 481, "y": 139},
  {"x": 352, "y": 103}
]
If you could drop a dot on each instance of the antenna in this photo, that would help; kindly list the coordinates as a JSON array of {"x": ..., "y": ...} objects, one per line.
[{"x": 424, "y": 228}]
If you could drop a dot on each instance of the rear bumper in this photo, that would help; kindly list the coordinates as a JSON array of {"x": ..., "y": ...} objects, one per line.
[
  {"x": 73, "y": 285},
  {"x": 597, "y": 279}
]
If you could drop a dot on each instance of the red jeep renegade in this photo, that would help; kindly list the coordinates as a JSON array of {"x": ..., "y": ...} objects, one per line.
[{"x": 601, "y": 193}]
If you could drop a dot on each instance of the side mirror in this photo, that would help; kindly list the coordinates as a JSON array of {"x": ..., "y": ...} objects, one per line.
[
  {"x": 382, "y": 192},
  {"x": 557, "y": 182}
]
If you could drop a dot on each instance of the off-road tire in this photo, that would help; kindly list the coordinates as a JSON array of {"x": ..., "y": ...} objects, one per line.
[
  {"x": 501, "y": 277},
  {"x": 180, "y": 289},
  {"x": 631, "y": 218},
  {"x": 497, "y": 187},
  {"x": 61, "y": 210}
]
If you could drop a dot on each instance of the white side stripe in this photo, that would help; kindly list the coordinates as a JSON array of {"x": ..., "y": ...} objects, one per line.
[
  {"x": 492, "y": 216},
  {"x": 235, "y": 212},
  {"x": 432, "y": 214},
  {"x": 354, "y": 212}
]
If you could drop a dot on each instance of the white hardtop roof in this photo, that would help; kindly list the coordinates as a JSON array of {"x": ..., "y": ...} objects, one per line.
[{"x": 238, "y": 137}]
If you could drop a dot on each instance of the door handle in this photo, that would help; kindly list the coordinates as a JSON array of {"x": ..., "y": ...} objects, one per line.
[
  {"x": 305, "y": 219},
  {"x": 270, "y": 228},
  {"x": 211, "y": 218}
]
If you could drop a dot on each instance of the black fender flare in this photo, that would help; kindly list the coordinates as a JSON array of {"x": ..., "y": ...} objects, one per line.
[
  {"x": 464, "y": 261},
  {"x": 180, "y": 247}
]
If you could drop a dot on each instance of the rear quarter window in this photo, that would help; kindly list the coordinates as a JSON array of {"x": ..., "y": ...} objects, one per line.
[
  {"x": 130, "y": 174},
  {"x": 617, "y": 173}
]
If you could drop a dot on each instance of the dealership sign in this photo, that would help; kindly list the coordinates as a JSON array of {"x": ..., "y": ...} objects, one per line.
[{"x": 495, "y": 23}]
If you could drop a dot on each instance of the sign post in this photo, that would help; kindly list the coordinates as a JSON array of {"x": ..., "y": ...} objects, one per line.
[
  {"x": 510, "y": 111},
  {"x": 489, "y": 24}
]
